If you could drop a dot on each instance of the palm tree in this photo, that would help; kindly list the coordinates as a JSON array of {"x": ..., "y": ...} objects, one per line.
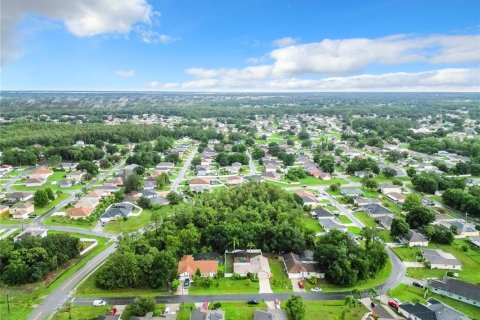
[
  {"x": 235, "y": 242},
  {"x": 250, "y": 246},
  {"x": 373, "y": 292},
  {"x": 120, "y": 219},
  {"x": 68, "y": 308},
  {"x": 350, "y": 301},
  {"x": 357, "y": 292}
]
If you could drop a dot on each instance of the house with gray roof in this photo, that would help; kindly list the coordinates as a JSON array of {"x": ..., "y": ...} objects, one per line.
[
  {"x": 376, "y": 210},
  {"x": 440, "y": 259},
  {"x": 434, "y": 310},
  {"x": 415, "y": 239},
  {"x": 321, "y": 213},
  {"x": 122, "y": 209},
  {"x": 456, "y": 289},
  {"x": 330, "y": 224},
  {"x": 351, "y": 192},
  {"x": 202, "y": 314},
  {"x": 270, "y": 314}
]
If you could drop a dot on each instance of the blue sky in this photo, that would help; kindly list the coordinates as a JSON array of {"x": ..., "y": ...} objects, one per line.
[{"x": 241, "y": 45}]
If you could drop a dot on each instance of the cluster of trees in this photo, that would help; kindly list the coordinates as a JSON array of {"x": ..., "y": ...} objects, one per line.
[
  {"x": 254, "y": 213},
  {"x": 42, "y": 197},
  {"x": 145, "y": 159},
  {"x": 294, "y": 174},
  {"x": 362, "y": 164},
  {"x": 258, "y": 153},
  {"x": 464, "y": 200},
  {"x": 88, "y": 166},
  {"x": 32, "y": 258},
  {"x": 385, "y": 128},
  {"x": 431, "y": 145},
  {"x": 162, "y": 180},
  {"x": 345, "y": 262},
  {"x": 432, "y": 182},
  {"x": 275, "y": 150},
  {"x": 227, "y": 158}
]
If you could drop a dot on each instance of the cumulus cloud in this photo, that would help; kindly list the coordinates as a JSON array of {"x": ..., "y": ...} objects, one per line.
[
  {"x": 82, "y": 18},
  {"x": 440, "y": 80},
  {"x": 125, "y": 73},
  {"x": 149, "y": 36},
  {"x": 284, "y": 42}
]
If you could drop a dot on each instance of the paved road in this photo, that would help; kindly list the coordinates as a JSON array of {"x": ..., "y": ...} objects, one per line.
[
  {"x": 220, "y": 297},
  {"x": 184, "y": 169},
  {"x": 253, "y": 170},
  {"x": 14, "y": 179},
  {"x": 63, "y": 292}
]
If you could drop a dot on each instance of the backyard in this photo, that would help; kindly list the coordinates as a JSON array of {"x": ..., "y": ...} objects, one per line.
[{"x": 279, "y": 282}]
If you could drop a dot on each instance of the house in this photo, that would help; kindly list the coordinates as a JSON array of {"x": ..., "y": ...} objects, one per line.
[
  {"x": 98, "y": 194},
  {"x": 271, "y": 166},
  {"x": 121, "y": 209},
  {"x": 376, "y": 210},
  {"x": 362, "y": 174},
  {"x": 199, "y": 185},
  {"x": 21, "y": 210},
  {"x": 396, "y": 197},
  {"x": 386, "y": 188},
  {"x": 41, "y": 173},
  {"x": 80, "y": 143},
  {"x": 234, "y": 181},
  {"x": 434, "y": 310},
  {"x": 456, "y": 289},
  {"x": 234, "y": 168},
  {"x": 68, "y": 165},
  {"x": 159, "y": 200},
  {"x": 203, "y": 314},
  {"x": 188, "y": 266},
  {"x": 315, "y": 172},
  {"x": 165, "y": 166},
  {"x": 4, "y": 209},
  {"x": 474, "y": 241},
  {"x": 31, "y": 232},
  {"x": 35, "y": 182},
  {"x": 148, "y": 193},
  {"x": 330, "y": 224},
  {"x": 440, "y": 259},
  {"x": 298, "y": 268},
  {"x": 351, "y": 192},
  {"x": 325, "y": 176},
  {"x": 65, "y": 183},
  {"x": 129, "y": 170},
  {"x": 385, "y": 221},
  {"x": 270, "y": 314},
  {"x": 114, "y": 181},
  {"x": 79, "y": 212},
  {"x": 321, "y": 213},
  {"x": 252, "y": 262},
  {"x": 308, "y": 198},
  {"x": 75, "y": 176},
  {"x": 415, "y": 239},
  {"x": 463, "y": 228},
  {"x": 150, "y": 182},
  {"x": 87, "y": 202},
  {"x": 271, "y": 175},
  {"x": 363, "y": 201}
]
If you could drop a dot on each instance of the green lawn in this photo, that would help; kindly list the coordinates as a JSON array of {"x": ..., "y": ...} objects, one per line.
[
  {"x": 344, "y": 219},
  {"x": 355, "y": 230},
  {"x": 135, "y": 223},
  {"x": 24, "y": 298},
  {"x": 312, "y": 224},
  {"x": 81, "y": 313},
  {"x": 50, "y": 205},
  {"x": 387, "y": 203},
  {"x": 413, "y": 294},
  {"x": 312, "y": 181},
  {"x": 236, "y": 310},
  {"x": 56, "y": 176},
  {"x": 66, "y": 221},
  {"x": 379, "y": 279},
  {"x": 407, "y": 253},
  {"x": 226, "y": 286},
  {"x": 279, "y": 282},
  {"x": 331, "y": 309},
  {"x": 365, "y": 219}
]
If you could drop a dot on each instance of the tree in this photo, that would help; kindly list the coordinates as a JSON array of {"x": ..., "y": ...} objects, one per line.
[
  {"x": 105, "y": 164},
  {"x": 132, "y": 183},
  {"x": 389, "y": 172},
  {"x": 370, "y": 184},
  {"x": 141, "y": 306},
  {"x": 50, "y": 194},
  {"x": 258, "y": 153},
  {"x": 350, "y": 301},
  {"x": 235, "y": 243},
  {"x": 54, "y": 161},
  {"x": 289, "y": 160},
  {"x": 68, "y": 308},
  {"x": 144, "y": 203},
  {"x": 399, "y": 228},
  {"x": 411, "y": 171},
  {"x": 295, "y": 308},
  {"x": 174, "y": 198},
  {"x": 162, "y": 180},
  {"x": 327, "y": 165},
  {"x": 40, "y": 198},
  {"x": 172, "y": 157},
  {"x": 419, "y": 217},
  {"x": 139, "y": 170},
  {"x": 412, "y": 200},
  {"x": 88, "y": 166},
  {"x": 303, "y": 135}
]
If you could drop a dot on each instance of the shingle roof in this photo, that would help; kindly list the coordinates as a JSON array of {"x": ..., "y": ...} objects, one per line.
[{"x": 458, "y": 287}]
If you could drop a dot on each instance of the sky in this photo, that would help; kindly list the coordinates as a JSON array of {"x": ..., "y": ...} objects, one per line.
[{"x": 247, "y": 45}]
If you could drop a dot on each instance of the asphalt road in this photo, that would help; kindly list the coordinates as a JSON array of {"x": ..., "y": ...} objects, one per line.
[
  {"x": 184, "y": 169},
  {"x": 63, "y": 292}
]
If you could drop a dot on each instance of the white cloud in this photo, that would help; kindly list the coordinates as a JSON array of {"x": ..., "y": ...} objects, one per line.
[
  {"x": 441, "y": 80},
  {"x": 125, "y": 73},
  {"x": 82, "y": 18},
  {"x": 284, "y": 42},
  {"x": 150, "y": 37}
]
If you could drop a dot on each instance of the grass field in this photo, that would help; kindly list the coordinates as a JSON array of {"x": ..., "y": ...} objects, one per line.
[
  {"x": 237, "y": 310},
  {"x": 50, "y": 205},
  {"x": 226, "y": 286},
  {"x": 279, "y": 282},
  {"x": 135, "y": 223},
  {"x": 355, "y": 230},
  {"x": 312, "y": 224},
  {"x": 344, "y": 219},
  {"x": 331, "y": 309},
  {"x": 81, "y": 313},
  {"x": 413, "y": 294},
  {"x": 24, "y": 298},
  {"x": 365, "y": 219},
  {"x": 66, "y": 221},
  {"x": 55, "y": 177}
]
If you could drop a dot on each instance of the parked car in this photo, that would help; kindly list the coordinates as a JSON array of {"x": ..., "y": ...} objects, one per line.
[
  {"x": 301, "y": 285},
  {"x": 316, "y": 289},
  {"x": 167, "y": 311},
  {"x": 417, "y": 284},
  {"x": 186, "y": 283},
  {"x": 99, "y": 303},
  {"x": 372, "y": 304},
  {"x": 32, "y": 216},
  {"x": 393, "y": 304},
  {"x": 252, "y": 302}
]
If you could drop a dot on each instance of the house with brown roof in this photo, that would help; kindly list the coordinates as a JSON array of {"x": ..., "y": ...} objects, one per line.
[
  {"x": 199, "y": 185},
  {"x": 234, "y": 181},
  {"x": 21, "y": 210},
  {"x": 79, "y": 212},
  {"x": 35, "y": 182},
  {"x": 187, "y": 267},
  {"x": 298, "y": 268},
  {"x": 76, "y": 176},
  {"x": 41, "y": 173},
  {"x": 308, "y": 198}
]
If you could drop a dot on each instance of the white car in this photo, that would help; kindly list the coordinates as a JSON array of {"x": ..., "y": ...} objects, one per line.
[
  {"x": 316, "y": 289},
  {"x": 99, "y": 303}
]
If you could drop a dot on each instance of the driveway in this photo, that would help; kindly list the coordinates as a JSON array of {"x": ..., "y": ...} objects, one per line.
[
  {"x": 264, "y": 284},
  {"x": 295, "y": 286}
]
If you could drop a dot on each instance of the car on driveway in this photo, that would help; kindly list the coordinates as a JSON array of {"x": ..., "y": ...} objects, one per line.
[
  {"x": 252, "y": 302},
  {"x": 301, "y": 285},
  {"x": 186, "y": 283},
  {"x": 417, "y": 284},
  {"x": 316, "y": 289},
  {"x": 99, "y": 303}
]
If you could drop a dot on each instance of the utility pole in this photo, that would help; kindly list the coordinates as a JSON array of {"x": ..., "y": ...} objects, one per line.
[{"x": 8, "y": 304}]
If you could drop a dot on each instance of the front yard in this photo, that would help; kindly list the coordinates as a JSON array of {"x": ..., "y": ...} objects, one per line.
[
  {"x": 136, "y": 223},
  {"x": 312, "y": 224},
  {"x": 226, "y": 286},
  {"x": 279, "y": 282}
]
